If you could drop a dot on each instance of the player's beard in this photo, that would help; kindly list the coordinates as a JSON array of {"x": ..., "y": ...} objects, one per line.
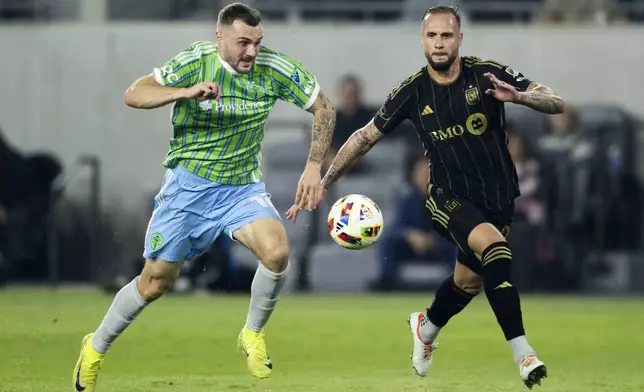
[
  {"x": 246, "y": 60},
  {"x": 443, "y": 65},
  {"x": 235, "y": 62}
]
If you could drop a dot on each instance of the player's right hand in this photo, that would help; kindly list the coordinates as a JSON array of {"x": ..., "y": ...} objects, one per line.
[{"x": 203, "y": 91}]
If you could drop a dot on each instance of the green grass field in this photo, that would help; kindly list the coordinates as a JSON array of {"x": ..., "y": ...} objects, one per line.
[{"x": 317, "y": 343}]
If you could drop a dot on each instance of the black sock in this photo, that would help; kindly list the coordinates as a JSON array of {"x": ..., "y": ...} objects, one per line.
[
  {"x": 448, "y": 302},
  {"x": 501, "y": 294}
]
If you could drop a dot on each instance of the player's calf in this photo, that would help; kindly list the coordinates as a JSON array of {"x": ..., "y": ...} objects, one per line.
[
  {"x": 453, "y": 295},
  {"x": 266, "y": 238},
  {"x": 155, "y": 279},
  {"x": 503, "y": 297}
]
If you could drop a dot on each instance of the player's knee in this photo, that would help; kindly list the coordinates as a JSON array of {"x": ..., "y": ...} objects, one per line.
[
  {"x": 483, "y": 236},
  {"x": 469, "y": 284},
  {"x": 276, "y": 258},
  {"x": 154, "y": 289},
  {"x": 467, "y": 280},
  {"x": 156, "y": 278}
]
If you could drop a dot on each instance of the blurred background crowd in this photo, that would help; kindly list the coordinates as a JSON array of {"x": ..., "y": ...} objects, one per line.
[{"x": 63, "y": 217}]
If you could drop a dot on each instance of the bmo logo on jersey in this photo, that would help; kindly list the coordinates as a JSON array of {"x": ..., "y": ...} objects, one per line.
[
  {"x": 476, "y": 124},
  {"x": 230, "y": 107}
]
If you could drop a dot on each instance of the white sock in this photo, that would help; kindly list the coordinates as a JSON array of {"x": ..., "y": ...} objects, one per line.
[
  {"x": 520, "y": 348},
  {"x": 264, "y": 293},
  {"x": 428, "y": 331},
  {"x": 126, "y": 306}
]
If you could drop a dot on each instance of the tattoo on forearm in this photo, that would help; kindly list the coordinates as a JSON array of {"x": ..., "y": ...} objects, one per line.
[
  {"x": 358, "y": 144},
  {"x": 544, "y": 100},
  {"x": 323, "y": 127}
]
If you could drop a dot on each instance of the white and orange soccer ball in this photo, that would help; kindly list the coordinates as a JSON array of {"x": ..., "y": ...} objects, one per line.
[{"x": 355, "y": 222}]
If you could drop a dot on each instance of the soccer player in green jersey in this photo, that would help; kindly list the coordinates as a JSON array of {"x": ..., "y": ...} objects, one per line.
[{"x": 222, "y": 94}]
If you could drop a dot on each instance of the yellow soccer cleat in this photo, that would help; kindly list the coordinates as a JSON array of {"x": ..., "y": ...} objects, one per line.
[
  {"x": 89, "y": 364},
  {"x": 252, "y": 344}
]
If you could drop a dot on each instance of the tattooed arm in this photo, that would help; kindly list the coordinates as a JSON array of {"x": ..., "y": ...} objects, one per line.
[
  {"x": 309, "y": 190},
  {"x": 323, "y": 127},
  {"x": 510, "y": 85},
  {"x": 358, "y": 144},
  {"x": 541, "y": 98}
]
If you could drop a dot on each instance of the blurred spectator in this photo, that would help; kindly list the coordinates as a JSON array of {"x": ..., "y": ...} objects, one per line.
[
  {"x": 568, "y": 154},
  {"x": 411, "y": 237},
  {"x": 564, "y": 133},
  {"x": 529, "y": 206},
  {"x": 531, "y": 242},
  {"x": 352, "y": 114},
  {"x": 25, "y": 200}
]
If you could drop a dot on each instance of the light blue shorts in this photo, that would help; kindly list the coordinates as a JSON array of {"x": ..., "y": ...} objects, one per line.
[{"x": 190, "y": 212}]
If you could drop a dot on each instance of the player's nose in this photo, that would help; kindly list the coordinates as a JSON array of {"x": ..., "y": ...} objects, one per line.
[{"x": 252, "y": 51}]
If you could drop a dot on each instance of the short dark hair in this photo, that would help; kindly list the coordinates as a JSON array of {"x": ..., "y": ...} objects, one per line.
[
  {"x": 234, "y": 11},
  {"x": 444, "y": 9}
]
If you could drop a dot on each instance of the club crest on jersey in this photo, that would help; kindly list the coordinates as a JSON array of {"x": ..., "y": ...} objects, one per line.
[
  {"x": 452, "y": 205},
  {"x": 472, "y": 96},
  {"x": 255, "y": 92}
]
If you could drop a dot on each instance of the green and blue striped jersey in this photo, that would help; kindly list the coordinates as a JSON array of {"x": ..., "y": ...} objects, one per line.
[{"x": 221, "y": 141}]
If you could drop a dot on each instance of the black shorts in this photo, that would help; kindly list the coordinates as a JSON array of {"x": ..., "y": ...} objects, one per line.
[{"x": 455, "y": 218}]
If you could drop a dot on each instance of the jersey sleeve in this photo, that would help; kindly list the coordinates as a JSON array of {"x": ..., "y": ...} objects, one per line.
[
  {"x": 184, "y": 68},
  {"x": 510, "y": 76},
  {"x": 294, "y": 83},
  {"x": 394, "y": 111}
]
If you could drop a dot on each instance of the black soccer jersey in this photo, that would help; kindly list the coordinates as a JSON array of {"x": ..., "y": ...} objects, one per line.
[{"x": 462, "y": 130}]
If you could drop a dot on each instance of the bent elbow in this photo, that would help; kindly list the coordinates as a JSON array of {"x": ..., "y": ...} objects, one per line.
[
  {"x": 561, "y": 107},
  {"x": 131, "y": 99}
]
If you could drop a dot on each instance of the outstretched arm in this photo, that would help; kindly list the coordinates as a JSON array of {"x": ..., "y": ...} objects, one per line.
[
  {"x": 308, "y": 188},
  {"x": 358, "y": 144},
  {"x": 541, "y": 98},
  {"x": 510, "y": 85}
]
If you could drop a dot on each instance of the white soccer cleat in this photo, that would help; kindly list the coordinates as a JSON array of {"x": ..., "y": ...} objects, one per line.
[
  {"x": 532, "y": 370},
  {"x": 422, "y": 356}
]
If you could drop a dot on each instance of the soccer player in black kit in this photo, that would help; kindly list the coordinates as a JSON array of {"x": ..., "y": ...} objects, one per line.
[{"x": 457, "y": 107}]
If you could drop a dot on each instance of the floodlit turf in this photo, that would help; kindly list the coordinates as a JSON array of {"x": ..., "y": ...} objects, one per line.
[{"x": 317, "y": 343}]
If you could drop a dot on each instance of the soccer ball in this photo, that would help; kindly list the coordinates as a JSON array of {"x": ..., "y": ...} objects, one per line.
[{"x": 355, "y": 222}]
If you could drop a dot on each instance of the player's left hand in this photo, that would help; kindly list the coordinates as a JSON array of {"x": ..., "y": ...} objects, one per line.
[
  {"x": 502, "y": 91},
  {"x": 309, "y": 189},
  {"x": 292, "y": 212}
]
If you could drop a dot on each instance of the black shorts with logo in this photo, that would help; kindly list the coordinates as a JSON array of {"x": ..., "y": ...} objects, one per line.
[{"x": 454, "y": 218}]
